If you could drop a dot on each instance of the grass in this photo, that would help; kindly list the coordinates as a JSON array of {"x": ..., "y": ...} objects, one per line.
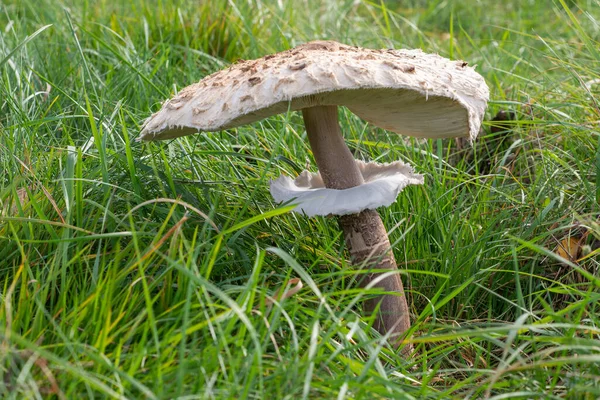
[{"x": 144, "y": 271}]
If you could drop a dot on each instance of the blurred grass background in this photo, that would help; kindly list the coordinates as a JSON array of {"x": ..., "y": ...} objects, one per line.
[{"x": 132, "y": 271}]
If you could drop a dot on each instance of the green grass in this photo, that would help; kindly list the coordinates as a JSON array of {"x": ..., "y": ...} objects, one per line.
[{"x": 144, "y": 271}]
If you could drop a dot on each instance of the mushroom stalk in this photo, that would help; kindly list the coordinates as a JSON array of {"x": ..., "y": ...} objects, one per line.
[
  {"x": 364, "y": 233},
  {"x": 334, "y": 159}
]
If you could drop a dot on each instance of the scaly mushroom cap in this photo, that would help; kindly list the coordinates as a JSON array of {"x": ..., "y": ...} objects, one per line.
[{"x": 404, "y": 91}]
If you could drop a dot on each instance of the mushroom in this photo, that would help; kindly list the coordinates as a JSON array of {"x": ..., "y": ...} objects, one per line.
[{"x": 404, "y": 91}]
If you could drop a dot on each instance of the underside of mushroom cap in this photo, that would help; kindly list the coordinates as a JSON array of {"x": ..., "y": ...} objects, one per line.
[
  {"x": 383, "y": 183},
  {"x": 404, "y": 91}
]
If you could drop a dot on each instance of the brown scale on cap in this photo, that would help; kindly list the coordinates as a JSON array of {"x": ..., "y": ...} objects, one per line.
[
  {"x": 297, "y": 66},
  {"x": 254, "y": 80},
  {"x": 327, "y": 45}
]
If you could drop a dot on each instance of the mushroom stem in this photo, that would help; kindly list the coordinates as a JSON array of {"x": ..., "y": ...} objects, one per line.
[
  {"x": 334, "y": 159},
  {"x": 369, "y": 246},
  {"x": 364, "y": 233}
]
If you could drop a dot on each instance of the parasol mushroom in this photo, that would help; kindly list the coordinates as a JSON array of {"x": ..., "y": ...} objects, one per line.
[{"x": 405, "y": 91}]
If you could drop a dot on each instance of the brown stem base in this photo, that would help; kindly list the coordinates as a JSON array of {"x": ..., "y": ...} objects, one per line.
[{"x": 366, "y": 239}]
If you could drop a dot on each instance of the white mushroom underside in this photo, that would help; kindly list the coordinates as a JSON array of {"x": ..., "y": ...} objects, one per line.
[{"x": 383, "y": 183}]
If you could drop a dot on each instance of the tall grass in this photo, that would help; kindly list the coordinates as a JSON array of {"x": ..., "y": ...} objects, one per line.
[{"x": 132, "y": 271}]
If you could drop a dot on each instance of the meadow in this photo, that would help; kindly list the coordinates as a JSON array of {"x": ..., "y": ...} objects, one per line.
[{"x": 132, "y": 270}]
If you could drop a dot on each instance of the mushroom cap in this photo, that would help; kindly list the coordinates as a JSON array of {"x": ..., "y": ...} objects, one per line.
[
  {"x": 383, "y": 183},
  {"x": 405, "y": 91}
]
